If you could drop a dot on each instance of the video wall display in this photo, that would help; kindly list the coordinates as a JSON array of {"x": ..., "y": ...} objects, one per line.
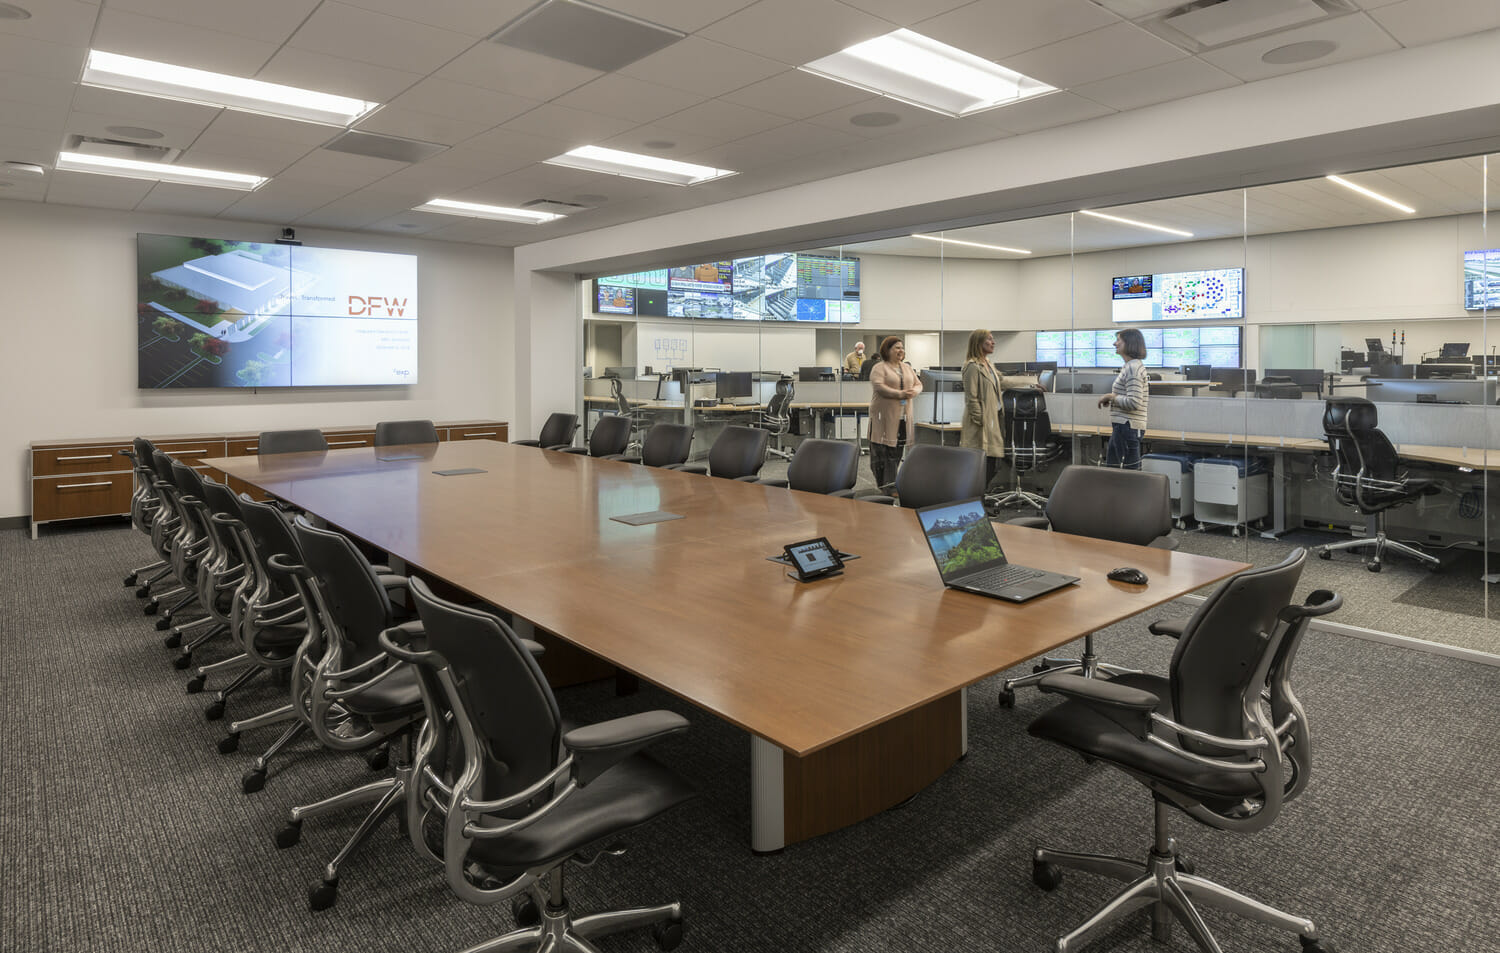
[
  {"x": 1482, "y": 280},
  {"x": 1179, "y": 296},
  {"x": 777, "y": 287},
  {"x": 1165, "y": 347},
  {"x": 217, "y": 313}
]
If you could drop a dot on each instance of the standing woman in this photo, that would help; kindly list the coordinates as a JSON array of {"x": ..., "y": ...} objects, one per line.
[
  {"x": 984, "y": 414},
  {"x": 1127, "y": 403},
  {"x": 893, "y": 385}
]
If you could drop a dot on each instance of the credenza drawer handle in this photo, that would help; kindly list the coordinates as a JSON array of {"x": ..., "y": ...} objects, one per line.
[
  {"x": 174, "y": 453},
  {"x": 91, "y": 456},
  {"x": 346, "y": 443},
  {"x": 253, "y": 448},
  {"x": 490, "y": 433},
  {"x": 80, "y": 486}
]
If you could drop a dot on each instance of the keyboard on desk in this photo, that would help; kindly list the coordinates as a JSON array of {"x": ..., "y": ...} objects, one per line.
[{"x": 1001, "y": 576}]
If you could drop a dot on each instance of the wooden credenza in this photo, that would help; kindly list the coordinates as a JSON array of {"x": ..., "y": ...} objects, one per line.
[{"x": 82, "y": 479}]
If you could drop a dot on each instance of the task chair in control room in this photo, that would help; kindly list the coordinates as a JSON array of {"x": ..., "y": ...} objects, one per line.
[
  {"x": 1369, "y": 477},
  {"x": 1028, "y": 442},
  {"x": 776, "y": 419},
  {"x": 1223, "y": 739}
]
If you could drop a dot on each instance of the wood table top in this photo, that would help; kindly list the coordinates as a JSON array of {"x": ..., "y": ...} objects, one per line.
[{"x": 692, "y": 605}]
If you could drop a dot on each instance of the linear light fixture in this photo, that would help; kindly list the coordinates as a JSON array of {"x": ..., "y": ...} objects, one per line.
[
  {"x": 158, "y": 172},
  {"x": 958, "y": 241},
  {"x": 498, "y": 213},
  {"x": 921, "y": 71},
  {"x": 150, "y": 78},
  {"x": 1368, "y": 193},
  {"x": 635, "y": 166},
  {"x": 1137, "y": 224}
]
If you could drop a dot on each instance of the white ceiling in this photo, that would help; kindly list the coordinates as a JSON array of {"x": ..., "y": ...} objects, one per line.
[{"x": 728, "y": 95}]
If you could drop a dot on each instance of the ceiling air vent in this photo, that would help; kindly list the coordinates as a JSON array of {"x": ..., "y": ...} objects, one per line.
[
  {"x": 384, "y": 147},
  {"x": 1208, "y": 24},
  {"x": 554, "y": 207},
  {"x": 121, "y": 149},
  {"x": 577, "y": 32}
]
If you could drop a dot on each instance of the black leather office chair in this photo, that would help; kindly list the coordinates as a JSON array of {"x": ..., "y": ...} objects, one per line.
[
  {"x": 290, "y": 441},
  {"x": 737, "y": 454},
  {"x": 1126, "y": 506},
  {"x": 1369, "y": 477},
  {"x": 665, "y": 445},
  {"x": 557, "y": 433},
  {"x": 1029, "y": 443},
  {"x": 181, "y": 544},
  {"x": 518, "y": 794},
  {"x": 931, "y": 474},
  {"x": 390, "y": 433},
  {"x": 1223, "y": 738},
  {"x": 218, "y": 569},
  {"x": 610, "y": 437},
  {"x": 830, "y": 467},
  {"x": 776, "y": 419}
]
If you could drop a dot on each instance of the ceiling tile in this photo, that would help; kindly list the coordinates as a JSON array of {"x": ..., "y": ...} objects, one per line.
[
  {"x": 53, "y": 94},
  {"x": 187, "y": 200},
  {"x": 174, "y": 135},
  {"x": 702, "y": 66},
  {"x": 563, "y": 184},
  {"x": 282, "y": 201},
  {"x": 338, "y": 29},
  {"x": 427, "y": 181},
  {"x": 513, "y": 145},
  {"x": 784, "y": 142},
  {"x": 95, "y": 191},
  {"x": 256, "y": 127},
  {"x": 1354, "y": 36},
  {"x": 269, "y": 20},
  {"x": 683, "y": 143},
  {"x": 1121, "y": 48},
  {"x": 628, "y": 98},
  {"x": 293, "y": 66},
  {"x": 233, "y": 162},
  {"x": 441, "y": 97},
  {"x": 40, "y": 58},
  {"x": 352, "y": 211},
  {"x": 48, "y": 119},
  {"x": 1041, "y": 112},
  {"x": 24, "y": 191},
  {"x": 340, "y": 168},
  {"x": 797, "y": 95},
  {"x": 573, "y": 127},
  {"x": 687, "y": 17},
  {"x": 904, "y": 12},
  {"x": 28, "y": 145},
  {"x": 464, "y": 157},
  {"x": 131, "y": 109},
  {"x": 907, "y": 118},
  {"x": 509, "y": 70},
  {"x": 461, "y": 16},
  {"x": 256, "y": 154},
  {"x": 999, "y": 29},
  {"x": 172, "y": 42},
  {"x": 721, "y": 120},
  {"x": 55, "y": 21},
  {"x": 1414, "y": 22},
  {"x": 796, "y": 31},
  {"x": 424, "y": 127},
  {"x": 1178, "y": 79}
]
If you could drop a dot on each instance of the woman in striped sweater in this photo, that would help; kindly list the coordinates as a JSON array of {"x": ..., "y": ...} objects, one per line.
[{"x": 1127, "y": 402}]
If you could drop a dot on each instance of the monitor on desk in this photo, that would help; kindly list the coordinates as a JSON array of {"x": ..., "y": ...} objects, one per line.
[
  {"x": 1232, "y": 379},
  {"x": 1310, "y": 379},
  {"x": 1196, "y": 372},
  {"x": 1036, "y": 367},
  {"x": 805, "y": 374},
  {"x": 623, "y": 373},
  {"x": 1452, "y": 350},
  {"x": 732, "y": 384}
]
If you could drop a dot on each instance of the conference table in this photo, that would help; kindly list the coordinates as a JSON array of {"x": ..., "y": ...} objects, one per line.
[{"x": 850, "y": 688}]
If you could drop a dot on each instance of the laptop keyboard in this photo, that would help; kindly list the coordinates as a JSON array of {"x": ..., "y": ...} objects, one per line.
[{"x": 1000, "y": 577}]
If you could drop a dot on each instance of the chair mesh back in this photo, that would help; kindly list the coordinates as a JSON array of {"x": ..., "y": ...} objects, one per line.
[
  {"x": 667, "y": 444},
  {"x": 931, "y": 475},
  {"x": 357, "y": 604},
  {"x": 290, "y": 441},
  {"x": 392, "y": 432},
  {"x": 739, "y": 451},
  {"x": 610, "y": 435},
  {"x": 1127, "y": 506},
  {"x": 823, "y": 466}
]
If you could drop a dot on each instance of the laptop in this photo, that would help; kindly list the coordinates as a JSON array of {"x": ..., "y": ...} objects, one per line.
[{"x": 969, "y": 556}]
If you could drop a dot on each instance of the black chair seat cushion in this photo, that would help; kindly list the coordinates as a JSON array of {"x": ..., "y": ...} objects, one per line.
[
  {"x": 1079, "y": 727},
  {"x": 390, "y": 698},
  {"x": 279, "y": 641},
  {"x": 627, "y": 795}
]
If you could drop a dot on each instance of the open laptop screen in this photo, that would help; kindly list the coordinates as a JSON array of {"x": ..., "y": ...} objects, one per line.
[{"x": 961, "y": 538}]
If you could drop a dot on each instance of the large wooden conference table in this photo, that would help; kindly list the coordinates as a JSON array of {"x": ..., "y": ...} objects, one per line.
[{"x": 851, "y": 688}]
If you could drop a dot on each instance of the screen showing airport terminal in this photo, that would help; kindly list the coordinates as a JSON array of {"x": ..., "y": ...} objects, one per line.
[
  {"x": 777, "y": 287},
  {"x": 1482, "y": 280},
  {"x": 1206, "y": 295},
  {"x": 217, "y": 313}
]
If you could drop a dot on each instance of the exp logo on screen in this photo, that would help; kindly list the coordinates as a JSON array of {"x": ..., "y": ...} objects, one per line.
[{"x": 369, "y": 306}]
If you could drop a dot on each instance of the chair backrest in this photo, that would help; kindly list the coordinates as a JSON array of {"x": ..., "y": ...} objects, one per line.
[
  {"x": 666, "y": 445},
  {"x": 354, "y": 607},
  {"x": 823, "y": 466},
  {"x": 270, "y": 535},
  {"x": 617, "y": 391},
  {"x": 1363, "y": 450},
  {"x": 931, "y": 474},
  {"x": 610, "y": 435},
  {"x": 1127, "y": 506},
  {"x": 777, "y": 417},
  {"x": 392, "y": 432},
  {"x": 290, "y": 441},
  {"x": 558, "y": 430},
  {"x": 1030, "y": 428},
  {"x": 738, "y": 451}
]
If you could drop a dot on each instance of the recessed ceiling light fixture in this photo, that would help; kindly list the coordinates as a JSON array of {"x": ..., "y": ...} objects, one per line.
[
  {"x": 957, "y": 241},
  {"x": 636, "y": 166},
  {"x": 918, "y": 70},
  {"x": 1137, "y": 224},
  {"x": 497, "y": 213},
  {"x": 1371, "y": 194},
  {"x": 158, "y": 172},
  {"x": 150, "y": 78}
]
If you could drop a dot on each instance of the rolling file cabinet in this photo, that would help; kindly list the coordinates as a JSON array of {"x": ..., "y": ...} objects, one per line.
[
  {"x": 1178, "y": 469},
  {"x": 1229, "y": 492}
]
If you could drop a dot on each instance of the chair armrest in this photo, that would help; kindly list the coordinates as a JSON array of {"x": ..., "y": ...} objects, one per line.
[
  {"x": 526, "y": 443},
  {"x": 842, "y": 494},
  {"x": 773, "y": 481},
  {"x": 1035, "y": 522},
  {"x": 1130, "y": 708},
  {"x": 597, "y": 748},
  {"x": 1173, "y": 626},
  {"x": 697, "y": 468},
  {"x": 392, "y": 582},
  {"x": 284, "y": 565},
  {"x": 877, "y": 498}
]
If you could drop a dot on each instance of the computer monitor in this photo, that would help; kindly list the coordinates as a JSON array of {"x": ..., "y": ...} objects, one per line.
[
  {"x": 1373, "y": 344},
  {"x": 1233, "y": 379},
  {"x": 1452, "y": 350},
  {"x": 624, "y": 373},
  {"x": 1036, "y": 367},
  {"x": 732, "y": 384},
  {"x": 1310, "y": 379},
  {"x": 814, "y": 374},
  {"x": 1196, "y": 372}
]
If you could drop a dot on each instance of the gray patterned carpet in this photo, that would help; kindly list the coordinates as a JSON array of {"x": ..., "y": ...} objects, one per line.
[{"x": 123, "y": 829}]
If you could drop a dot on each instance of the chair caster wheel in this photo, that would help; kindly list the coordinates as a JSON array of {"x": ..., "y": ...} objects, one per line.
[
  {"x": 150, "y": 607},
  {"x": 1318, "y": 946},
  {"x": 1373, "y": 566},
  {"x": 1324, "y": 554},
  {"x": 667, "y": 935},
  {"x": 129, "y": 580},
  {"x": 214, "y": 711},
  {"x": 253, "y": 780},
  {"x": 289, "y": 836},
  {"x": 1184, "y": 865},
  {"x": 379, "y": 758},
  {"x": 229, "y": 744},
  {"x": 525, "y": 910},
  {"x": 183, "y": 661},
  {"x": 323, "y": 895},
  {"x": 1007, "y": 698},
  {"x": 1046, "y": 875},
  {"x": 142, "y": 592},
  {"x": 195, "y": 684},
  {"x": 163, "y": 623},
  {"x": 172, "y": 641}
]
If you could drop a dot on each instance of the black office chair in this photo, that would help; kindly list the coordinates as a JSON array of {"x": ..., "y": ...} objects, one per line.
[
  {"x": 830, "y": 467},
  {"x": 776, "y": 419},
  {"x": 635, "y": 413},
  {"x": 516, "y": 792},
  {"x": 931, "y": 474},
  {"x": 609, "y": 438},
  {"x": 557, "y": 433},
  {"x": 1369, "y": 477},
  {"x": 1223, "y": 738},
  {"x": 145, "y": 505},
  {"x": 181, "y": 544},
  {"x": 1277, "y": 388},
  {"x": 737, "y": 454},
  {"x": 390, "y": 433},
  {"x": 665, "y": 445},
  {"x": 218, "y": 570},
  {"x": 1126, "y": 506},
  {"x": 290, "y": 441},
  {"x": 1029, "y": 444}
]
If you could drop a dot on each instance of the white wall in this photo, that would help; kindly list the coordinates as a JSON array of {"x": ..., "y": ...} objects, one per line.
[
  {"x": 70, "y": 339},
  {"x": 728, "y": 346}
]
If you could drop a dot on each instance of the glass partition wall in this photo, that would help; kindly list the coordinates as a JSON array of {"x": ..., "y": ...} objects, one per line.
[{"x": 1263, "y": 312}]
